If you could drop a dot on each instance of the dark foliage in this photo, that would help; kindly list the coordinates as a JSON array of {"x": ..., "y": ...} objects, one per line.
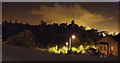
[{"x": 46, "y": 34}]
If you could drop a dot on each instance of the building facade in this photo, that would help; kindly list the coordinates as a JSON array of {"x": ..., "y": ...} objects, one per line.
[{"x": 108, "y": 46}]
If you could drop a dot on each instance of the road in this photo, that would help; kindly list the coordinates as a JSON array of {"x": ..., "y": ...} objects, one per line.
[{"x": 15, "y": 53}]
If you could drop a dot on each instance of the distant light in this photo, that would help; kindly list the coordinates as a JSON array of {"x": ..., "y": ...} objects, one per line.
[
  {"x": 104, "y": 34},
  {"x": 66, "y": 43},
  {"x": 99, "y": 30},
  {"x": 116, "y": 33},
  {"x": 101, "y": 55},
  {"x": 88, "y": 28},
  {"x": 73, "y": 36},
  {"x": 110, "y": 33}
]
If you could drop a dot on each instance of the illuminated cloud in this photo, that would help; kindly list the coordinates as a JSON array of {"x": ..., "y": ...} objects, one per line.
[{"x": 61, "y": 13}]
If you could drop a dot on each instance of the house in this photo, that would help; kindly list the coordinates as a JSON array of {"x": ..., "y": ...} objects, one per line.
[{"x": 108, "y": 45}]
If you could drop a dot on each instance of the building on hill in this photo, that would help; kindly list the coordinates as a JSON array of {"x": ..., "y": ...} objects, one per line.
[{"x": 108, "y": 45}]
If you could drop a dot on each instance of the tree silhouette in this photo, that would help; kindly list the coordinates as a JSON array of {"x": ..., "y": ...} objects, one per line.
[{"x": 46, "y": 34}]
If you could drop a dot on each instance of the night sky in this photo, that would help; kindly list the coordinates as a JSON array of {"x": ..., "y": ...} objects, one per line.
[{"x": 102, "y": 15}]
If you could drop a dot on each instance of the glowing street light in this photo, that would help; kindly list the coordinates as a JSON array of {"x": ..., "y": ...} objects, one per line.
[
  {"x": 66, "y": 44},
  {"x": 73, "y": 36},
  {"x": 70, "y": 41}
]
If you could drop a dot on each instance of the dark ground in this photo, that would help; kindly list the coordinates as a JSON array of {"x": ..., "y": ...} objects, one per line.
[{"x": 15, "y": 53}]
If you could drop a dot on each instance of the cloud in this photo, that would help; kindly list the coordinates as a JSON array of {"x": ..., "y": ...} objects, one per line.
[{"x": 64, "y": 14}]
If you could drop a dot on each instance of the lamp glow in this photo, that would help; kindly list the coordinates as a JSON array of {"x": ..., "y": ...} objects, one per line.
[{"x": 73, "y": 36}]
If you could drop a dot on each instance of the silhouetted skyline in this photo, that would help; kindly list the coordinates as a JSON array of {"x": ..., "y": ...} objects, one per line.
[{"x": 103, "y": 15}]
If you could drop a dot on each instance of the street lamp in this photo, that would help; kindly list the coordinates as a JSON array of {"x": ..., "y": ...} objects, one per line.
[
  {"x": 70, "y": 41},
  {"x": 73, "y": 36},
  {"x": 66, "y": 44}
]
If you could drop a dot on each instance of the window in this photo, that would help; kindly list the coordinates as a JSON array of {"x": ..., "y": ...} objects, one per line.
[
  {"x": 111, "y": 48},
  {"x": 100, "y": 47},
  {"x": 105, "y": 48}
]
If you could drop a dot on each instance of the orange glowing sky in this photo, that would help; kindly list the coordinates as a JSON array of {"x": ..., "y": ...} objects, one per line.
[{"x": 97, "y": 15}]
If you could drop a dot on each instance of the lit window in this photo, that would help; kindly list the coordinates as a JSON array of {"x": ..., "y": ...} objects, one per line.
[{"x": 111, "y": 48}]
